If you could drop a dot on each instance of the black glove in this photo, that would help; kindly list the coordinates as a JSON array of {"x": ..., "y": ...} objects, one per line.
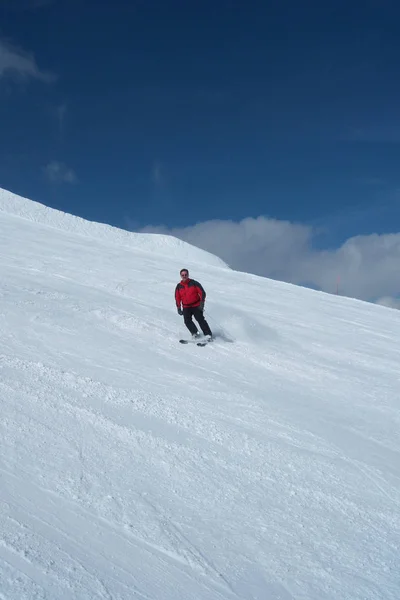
[
  {"x": 180, "y": 311},
  {"x": 201, "y": 306}
]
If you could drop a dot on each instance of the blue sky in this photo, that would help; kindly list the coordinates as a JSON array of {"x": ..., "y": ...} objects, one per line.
[{"x": 173, "y": 114}]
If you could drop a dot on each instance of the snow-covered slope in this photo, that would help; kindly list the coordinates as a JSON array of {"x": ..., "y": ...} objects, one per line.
[
  {"x": 11, "y": 204},
  {"x": 263, "y": 466}
]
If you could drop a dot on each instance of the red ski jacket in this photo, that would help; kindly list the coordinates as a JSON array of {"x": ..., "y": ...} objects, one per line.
[{"x": 189, "y": 293}]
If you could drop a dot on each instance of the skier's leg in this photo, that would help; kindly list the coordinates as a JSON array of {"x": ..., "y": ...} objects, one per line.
[
  {"x": 187, "y": 317},
  {"x": 199, "y": 316}
]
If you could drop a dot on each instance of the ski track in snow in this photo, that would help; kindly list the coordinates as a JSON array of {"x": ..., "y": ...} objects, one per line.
[{"x": 263, "y": 466}]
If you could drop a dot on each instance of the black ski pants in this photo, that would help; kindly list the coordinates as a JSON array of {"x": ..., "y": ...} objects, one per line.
[{"x": 197, "y": 313}]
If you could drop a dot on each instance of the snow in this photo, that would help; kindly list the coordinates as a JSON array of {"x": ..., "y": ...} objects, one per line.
[
  {"x": 154, "y": 242},
  {"x": 264, "y": 466}
]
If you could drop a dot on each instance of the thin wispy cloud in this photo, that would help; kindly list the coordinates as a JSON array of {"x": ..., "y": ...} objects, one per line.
[
  {"x": 376, "y": 182},
  {"x": 160, "y": 194},
  {"x": 18, "y": 63},
  {"x": 156, "y": 173},
  {"x": 58, "y": 172},
  {"x": 366, "y": 265},
  {"x": 61, "y": 111},
  {"x": 375, "y": 134}
]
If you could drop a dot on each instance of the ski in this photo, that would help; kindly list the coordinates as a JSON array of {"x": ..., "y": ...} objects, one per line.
[{"x": 200, "y": 343}]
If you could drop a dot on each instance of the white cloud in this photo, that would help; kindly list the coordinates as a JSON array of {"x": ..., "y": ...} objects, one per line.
[
  {"x": 14, "y": 61},
  {"x": 366, "y": 265},
  {"x": 389, "y": 302},
  {"x": 58, "y": 172}
]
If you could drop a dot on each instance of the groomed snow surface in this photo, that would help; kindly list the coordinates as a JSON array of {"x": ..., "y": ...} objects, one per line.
[{"x": 264, "y": 466}]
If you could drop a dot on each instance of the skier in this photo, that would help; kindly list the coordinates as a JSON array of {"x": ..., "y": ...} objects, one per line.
[{"x": 191, "y": 295}]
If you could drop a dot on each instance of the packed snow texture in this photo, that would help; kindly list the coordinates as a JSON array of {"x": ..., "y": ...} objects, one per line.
[{"x": 264, "y": 466}]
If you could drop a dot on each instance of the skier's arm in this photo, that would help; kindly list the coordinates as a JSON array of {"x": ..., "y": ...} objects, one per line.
[
  {"x": 201, "y": 291},
  {"x": 177, "y": 297}
]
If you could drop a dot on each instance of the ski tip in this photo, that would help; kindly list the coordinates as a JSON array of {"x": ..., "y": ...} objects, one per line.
[{"x": 200, "y": 343}]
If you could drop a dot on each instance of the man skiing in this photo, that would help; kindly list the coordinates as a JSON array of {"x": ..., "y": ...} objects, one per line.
[{"x": 191, "y": 295}]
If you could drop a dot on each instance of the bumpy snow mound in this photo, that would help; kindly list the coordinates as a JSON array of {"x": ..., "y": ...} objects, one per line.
[{"x": 167, "y": 245}]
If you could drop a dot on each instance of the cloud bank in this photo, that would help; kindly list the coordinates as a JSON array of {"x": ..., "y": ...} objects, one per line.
[
  {"x": 367, "y": 266},
  {"x": 16, "y": 62}
]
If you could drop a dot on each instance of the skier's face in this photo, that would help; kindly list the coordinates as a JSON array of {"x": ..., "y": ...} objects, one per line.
[{"x": 184, "y": 275}]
